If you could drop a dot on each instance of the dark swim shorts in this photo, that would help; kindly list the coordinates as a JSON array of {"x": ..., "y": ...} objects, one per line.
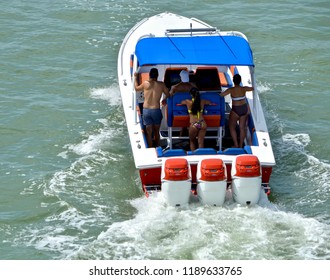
[{"x": 152, "y": 116}]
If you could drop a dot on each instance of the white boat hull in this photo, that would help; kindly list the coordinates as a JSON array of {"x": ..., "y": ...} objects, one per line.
[{"x": 171, "y": 32}]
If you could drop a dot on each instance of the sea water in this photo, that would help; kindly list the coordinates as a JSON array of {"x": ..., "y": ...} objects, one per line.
[{"x": 69, "y": 187}]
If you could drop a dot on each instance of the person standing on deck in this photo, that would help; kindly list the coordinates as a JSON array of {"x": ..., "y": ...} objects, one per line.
[
  {"x": 239, "y": 111},
  {"x": 198, "y": 126},
  {"x": 152, "y": 115}
]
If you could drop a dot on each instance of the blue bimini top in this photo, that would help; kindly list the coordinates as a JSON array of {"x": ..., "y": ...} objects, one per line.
[{"x": 198, "y": 50}]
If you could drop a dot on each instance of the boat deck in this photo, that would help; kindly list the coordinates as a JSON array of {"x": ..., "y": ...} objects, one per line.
[
  {"x": 210, "y": 138},
  {"x": 181, "y": 137}
]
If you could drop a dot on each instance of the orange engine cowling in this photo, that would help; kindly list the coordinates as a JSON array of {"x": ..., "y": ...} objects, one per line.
[
  {"x": 212, "y": 170},
  {"x": 176, "y": 169},
  {"x": 247, "y": 166}
]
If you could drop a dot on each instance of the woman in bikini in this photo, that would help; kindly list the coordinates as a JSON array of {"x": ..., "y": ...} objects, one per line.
[
  {"x": 197, "y": 126},
  {"x": 239, "y": 111}
]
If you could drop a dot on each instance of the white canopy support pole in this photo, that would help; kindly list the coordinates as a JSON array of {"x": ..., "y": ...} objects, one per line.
[
  {"x": 133, "y": 89},
  {"x": 255, "y": 95}
]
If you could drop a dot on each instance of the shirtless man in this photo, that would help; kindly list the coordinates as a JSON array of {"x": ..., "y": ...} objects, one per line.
[
  {"x": 239, "y": 111},
  {"x": 184, "y": 85},
  {"x": 152, "y": 115}
]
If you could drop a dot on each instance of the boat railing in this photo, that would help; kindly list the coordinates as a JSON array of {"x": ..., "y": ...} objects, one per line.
[
  {"x": 233, "y": 33},
  {"x": 133, "y": 90},
  {"x": 190, "y": 30},
  {"x": 255, "y": 95},
  {"x": 127, "y": 37}
]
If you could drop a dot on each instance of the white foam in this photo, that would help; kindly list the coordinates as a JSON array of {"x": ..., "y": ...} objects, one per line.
[
  {"x": 309, "y": 174},
  {"x": 110, "y": 94},
  {"x": 94, "y": 142},
  {"x": 63, "y": 155},
  {"x": 316, "y": 175},
  {"x": 299, "y": 140},
  {"x": 313, "y": 169},
  {"x": 263, "y": 87},
  {"x": 202, "y": 232},
  {"x": 99, "y": 140}
]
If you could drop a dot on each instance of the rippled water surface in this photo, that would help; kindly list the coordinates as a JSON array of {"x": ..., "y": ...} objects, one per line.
[{"x": 69, "y": 188}]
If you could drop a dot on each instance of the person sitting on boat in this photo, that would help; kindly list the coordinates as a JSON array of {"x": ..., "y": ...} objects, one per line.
[
  {"x": 152, "y": 114},
  {"x": 239, "y": 111},
  {"x": 184, "y": 85},
  {"x": 198, "y": 126}
]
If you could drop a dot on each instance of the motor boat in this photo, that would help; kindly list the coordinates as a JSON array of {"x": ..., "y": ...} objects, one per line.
[{"x": 172, "y": 43}]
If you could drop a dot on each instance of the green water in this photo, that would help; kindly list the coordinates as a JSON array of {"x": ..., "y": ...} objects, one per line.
[{"x": 69, "y": 188}]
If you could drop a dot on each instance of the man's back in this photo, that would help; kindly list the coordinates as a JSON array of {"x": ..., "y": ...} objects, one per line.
[
  {"x": 153, "y": 91},
  {"x": 152, "y": 115}
]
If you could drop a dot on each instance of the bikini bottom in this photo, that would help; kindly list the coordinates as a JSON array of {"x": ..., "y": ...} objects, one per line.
[
  {"x": 198, "y": 124},
  {"x": 240, "y": 110}
]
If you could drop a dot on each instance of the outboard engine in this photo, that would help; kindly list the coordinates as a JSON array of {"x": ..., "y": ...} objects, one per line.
[
  {"x": 176, "y": 181},
  {"x": 211, "y": 181},
  {"x": 246, "y": 179}
]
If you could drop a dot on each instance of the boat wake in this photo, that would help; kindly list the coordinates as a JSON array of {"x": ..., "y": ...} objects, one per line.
[
  {"x": 94, "y": 212},
  {"x": 79, "y": 201},
  {"x": 305, "y": 174},
  {"x": 306, "y": 189},
  {"x": 264, "y": 231},
  {"x": 201, "y": 232}
]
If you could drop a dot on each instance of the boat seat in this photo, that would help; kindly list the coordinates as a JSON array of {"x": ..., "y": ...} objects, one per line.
[
  {"x": 170, "y": 152},
  {"x": 203, "y": 151},
  {"x": 233, "y": 70},
  {"x": 248, "y": 150},
  {"x": 143, "y": 76},
  {"x": 225, "y": 80},
  {"x": 178, "y": 116},
  {"x": 214, "y": 115},
  {"x": 234, "y": 151},
  {"x": 207, "y": 78},
  {"x": 131, "y": 64},
  {"x": 172, "y": 76}
]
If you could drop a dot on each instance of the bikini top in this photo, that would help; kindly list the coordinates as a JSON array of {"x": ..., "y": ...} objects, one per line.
[
  {"x": 238, "y": 98},
  {"x": 198, "y": 113}
]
